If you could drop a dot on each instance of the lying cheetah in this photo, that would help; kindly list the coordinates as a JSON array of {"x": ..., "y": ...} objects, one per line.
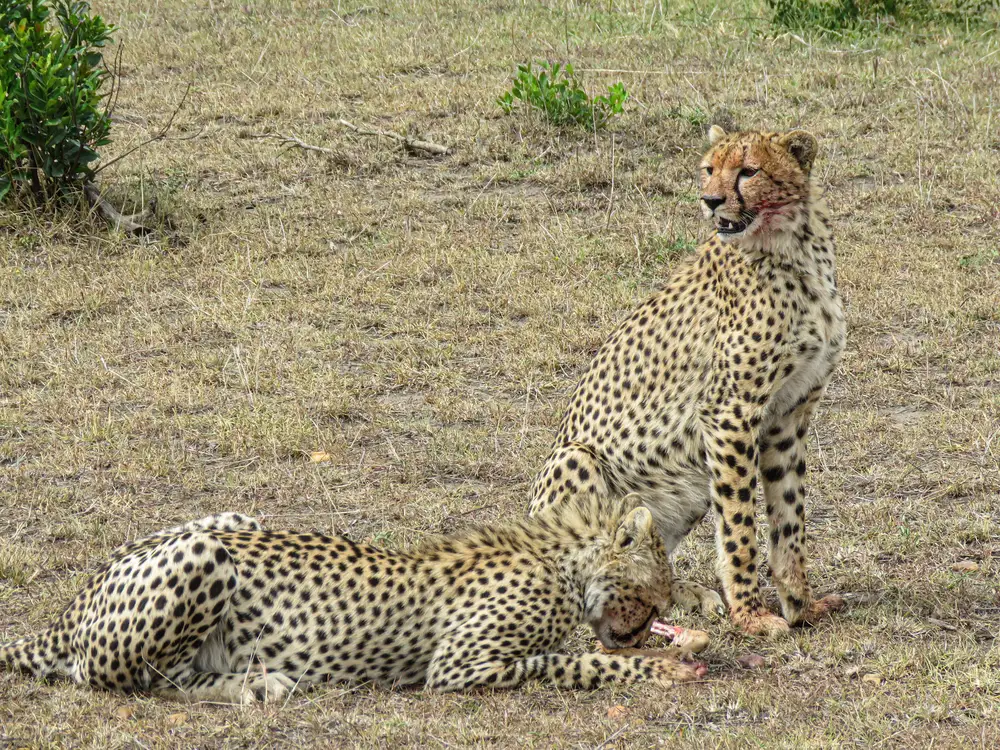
[
  {"x": 221, "y": 610},
  {"x": 711, "y": 383}
]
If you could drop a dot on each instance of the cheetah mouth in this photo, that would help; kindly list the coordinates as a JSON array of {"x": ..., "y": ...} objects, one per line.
[
  {"x": 633, "y": 636},
  {"x": 728, "y": 226}
]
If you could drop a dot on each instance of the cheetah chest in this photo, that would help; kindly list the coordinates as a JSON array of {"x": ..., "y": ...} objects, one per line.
[{"x": 815, "y": 346}]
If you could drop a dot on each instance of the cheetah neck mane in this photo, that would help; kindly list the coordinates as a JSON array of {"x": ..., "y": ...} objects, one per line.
[
  {"x": 574, "y": 531},
  {"x": 796, "y": 247}
]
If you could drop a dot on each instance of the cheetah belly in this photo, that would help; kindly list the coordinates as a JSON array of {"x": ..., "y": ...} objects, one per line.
[
  {"x": 678, "y": 504},
  {"x": 310, "y": 652},
  {"x": 676, "y": 488},
  {"x": 314, "y": 628}
]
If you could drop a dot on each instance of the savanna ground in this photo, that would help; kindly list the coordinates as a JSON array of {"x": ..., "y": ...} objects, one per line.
[{"x": 421, "y": 320}]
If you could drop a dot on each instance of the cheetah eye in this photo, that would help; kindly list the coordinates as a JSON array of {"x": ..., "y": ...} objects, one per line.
[
  {"x": 748, "y": 172},
  {"x": 708, "y": 171}
]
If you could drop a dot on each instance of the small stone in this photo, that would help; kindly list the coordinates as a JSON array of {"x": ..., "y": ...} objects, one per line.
[
  {"x": 751, "y": 661},
  {"x": 125, "y": 712},
  {"x": 617, "y": 713},
  {"x": 965, "y": 566},
  {"x": 175, "y": 720},
  {"x": 318, "y": 457},
  {"x": 873, "y": 678}
]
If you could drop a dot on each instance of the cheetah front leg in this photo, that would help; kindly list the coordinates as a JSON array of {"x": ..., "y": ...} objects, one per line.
[
  {"x": 732, "y": 461},
  {"x": 783, "y": 466},
  {"x": 589, "y": 671}
]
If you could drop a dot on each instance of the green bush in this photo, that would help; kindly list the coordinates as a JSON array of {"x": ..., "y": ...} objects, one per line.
[
  {"x": 52, "y": 77},
  {"x": 554, "y": 91},
  {"x": 844, "y": 15}
]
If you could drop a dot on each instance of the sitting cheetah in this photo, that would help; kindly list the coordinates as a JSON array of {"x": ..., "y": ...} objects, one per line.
[
  {"x": 711, "y": 383},
  {"x": 221, "y": 610}
]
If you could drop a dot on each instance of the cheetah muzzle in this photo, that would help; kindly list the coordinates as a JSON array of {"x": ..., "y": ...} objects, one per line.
[
  {"x": 613, "y": 639},
  {"x": 726, "y": 226}
]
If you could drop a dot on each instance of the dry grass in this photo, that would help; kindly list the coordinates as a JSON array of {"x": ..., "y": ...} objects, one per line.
[{"x": 421, "y": 320}]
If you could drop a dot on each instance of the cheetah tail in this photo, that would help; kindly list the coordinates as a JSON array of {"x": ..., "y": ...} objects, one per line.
[{"x": 33, "y": 654}]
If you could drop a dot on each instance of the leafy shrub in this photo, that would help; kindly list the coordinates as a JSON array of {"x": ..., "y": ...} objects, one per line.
[
  {"x": 843, "y": 15},
  {"x": 51, "y": 80},
  {"x": 555, "y": 91}
]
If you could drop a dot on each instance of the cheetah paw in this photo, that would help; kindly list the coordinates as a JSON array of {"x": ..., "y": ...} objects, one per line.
[
  {"x": 820, "y": 609},
  {"x": 271, "y": 687},
  {"x": 762, "y": 623},
  {"x": 711, "y": 603},
  {"x": 668, "y": 671},
  {"x": 693, "y": 597}
]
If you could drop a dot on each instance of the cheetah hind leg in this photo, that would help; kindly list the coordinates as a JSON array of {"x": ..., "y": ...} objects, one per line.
[
  {"x": 189, "y": 660},
  {"x": 240, "y": 688},
  {"x": 170, "y": 623},
  {"x": 192, "y": 663},
  {"x": 228, "y": 521},
  {"x": 572, "y": 471}
]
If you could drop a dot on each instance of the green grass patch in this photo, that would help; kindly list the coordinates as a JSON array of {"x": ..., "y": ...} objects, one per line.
[
  {"x": 850, "y": 15},
  {"x": 554, "y": 91}
]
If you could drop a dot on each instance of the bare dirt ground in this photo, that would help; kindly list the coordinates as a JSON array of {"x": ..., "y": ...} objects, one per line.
[{"x": 421, "y": 320}]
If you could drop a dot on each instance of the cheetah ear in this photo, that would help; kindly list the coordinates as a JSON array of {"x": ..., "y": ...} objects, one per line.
[
  {"x": 634, "y": 529},
  {"x": 801, "y": 145},
  {"x": 715, "y": 134}
]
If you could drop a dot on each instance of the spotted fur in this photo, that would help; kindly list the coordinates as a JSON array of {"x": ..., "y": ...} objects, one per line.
[
  {"x": 711, "y": 383},
  {"x": 221, "y": 610}
]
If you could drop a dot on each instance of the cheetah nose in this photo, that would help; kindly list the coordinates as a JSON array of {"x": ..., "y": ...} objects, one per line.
[{"x": 712, "y": 201}]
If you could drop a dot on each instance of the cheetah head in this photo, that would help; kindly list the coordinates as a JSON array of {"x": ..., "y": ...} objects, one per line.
[
  {"x": 631, "y": 584},
  {"x": 756, "y": 184}
]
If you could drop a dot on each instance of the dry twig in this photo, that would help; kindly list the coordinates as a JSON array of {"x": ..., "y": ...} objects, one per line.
[
  {"x": 413, "y": 144},
  {"x": 291, "y": 140},
  {"x": 612, "y": 737},
  {"x": 131, "y": 223}
]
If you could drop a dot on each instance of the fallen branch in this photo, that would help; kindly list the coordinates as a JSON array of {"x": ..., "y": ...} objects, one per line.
[
  {"x": 291, "y": 140},
  {"x": 413, "y": 144},
  {"x": 131, "y": 223}
]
